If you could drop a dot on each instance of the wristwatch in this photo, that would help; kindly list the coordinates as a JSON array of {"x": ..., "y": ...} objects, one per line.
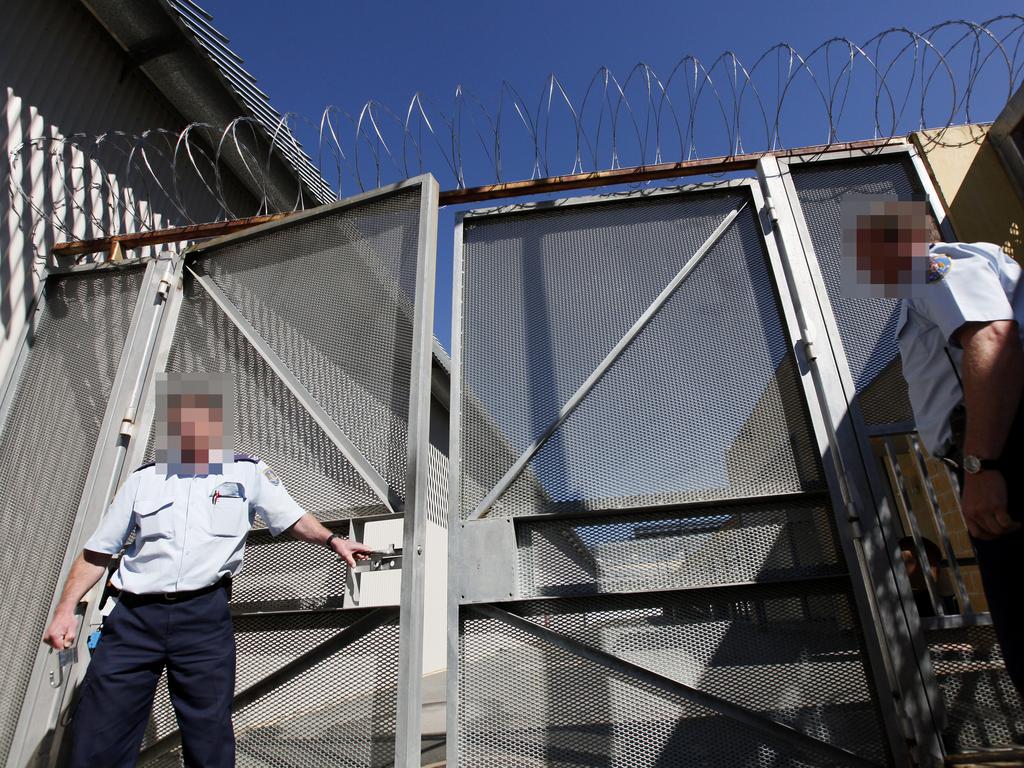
[
  {"x": 332, "y": 537},
  {"x": 973, "y": 465}
]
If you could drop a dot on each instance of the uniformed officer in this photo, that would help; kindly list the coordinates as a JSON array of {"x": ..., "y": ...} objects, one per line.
[
  {"x": 961, "y": 339},
  {"x": 190, "y": 516}
]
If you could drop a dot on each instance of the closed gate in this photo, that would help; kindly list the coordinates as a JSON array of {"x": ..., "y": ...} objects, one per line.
[{"x": 645, "y": 563}]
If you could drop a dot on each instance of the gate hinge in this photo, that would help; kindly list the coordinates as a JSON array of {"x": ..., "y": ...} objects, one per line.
[
  {"x": 807, "y": 340},
  {"x": 769, "y": 205},
  {"x": 166, "y": 281},
  {"x": 127, "y": 423}
]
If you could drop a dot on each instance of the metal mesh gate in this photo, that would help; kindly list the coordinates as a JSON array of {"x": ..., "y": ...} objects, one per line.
[
  {"x": 982, "y": 708},
  {"x": 48, "y": 436},
  {"x": 323, "y": 321},
  {"x": 866, "y": 326},
  {"x": 647, "y": 570}
]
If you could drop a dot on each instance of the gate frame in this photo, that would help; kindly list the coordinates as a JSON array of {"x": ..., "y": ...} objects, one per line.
[
  {"x": 411, "y": 606},
  {"x": 503, "y": 536},
  {"x": 41, "y": 729},
  {"x": 900, "y": 631}
]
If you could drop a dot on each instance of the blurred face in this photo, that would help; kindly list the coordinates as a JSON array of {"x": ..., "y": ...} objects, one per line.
[
  {"x": 192, "y": 435},
  {"x": 198, "y": 421},
  {"x": 890, "y": 246},
  {"x": 885, "y": 249}
]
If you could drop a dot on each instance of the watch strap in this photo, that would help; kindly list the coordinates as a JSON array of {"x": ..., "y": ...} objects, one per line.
[{"x": 332, "y": 537}]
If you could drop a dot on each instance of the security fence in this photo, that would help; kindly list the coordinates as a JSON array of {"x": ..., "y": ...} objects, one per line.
[{"x": 683, "y": 478}]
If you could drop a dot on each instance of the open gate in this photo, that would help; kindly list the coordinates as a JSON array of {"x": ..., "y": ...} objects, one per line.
[
  {"x": 324, "y": 323},
  {"x": 972, "y": 702}
]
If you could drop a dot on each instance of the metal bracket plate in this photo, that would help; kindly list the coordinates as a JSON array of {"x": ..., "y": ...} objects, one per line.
[{"x": 489, "y": 563}]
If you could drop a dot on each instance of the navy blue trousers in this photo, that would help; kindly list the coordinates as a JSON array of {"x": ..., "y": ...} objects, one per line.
[{"x": 193, "y": 639}]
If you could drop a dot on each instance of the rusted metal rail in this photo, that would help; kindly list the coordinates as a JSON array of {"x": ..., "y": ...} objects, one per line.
[{"x": 117, "y": 244}]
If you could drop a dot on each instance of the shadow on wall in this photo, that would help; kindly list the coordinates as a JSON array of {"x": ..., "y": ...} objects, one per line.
[{"x": 63, "y": 78}]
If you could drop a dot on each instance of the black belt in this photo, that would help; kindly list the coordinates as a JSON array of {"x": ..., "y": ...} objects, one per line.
[{"x": 130, "y": 598}]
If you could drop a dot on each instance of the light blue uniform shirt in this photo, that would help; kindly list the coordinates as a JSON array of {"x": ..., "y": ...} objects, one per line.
[
  {"x": 979, "y": 284},
  {"x": 190, "y": 529}
]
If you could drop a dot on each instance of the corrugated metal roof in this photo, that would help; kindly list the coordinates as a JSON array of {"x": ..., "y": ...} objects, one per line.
[{"x": 214, "y": 44}]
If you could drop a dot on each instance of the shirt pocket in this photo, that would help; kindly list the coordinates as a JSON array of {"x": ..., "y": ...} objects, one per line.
[
  {"x": 229, "y": 517},
  {"x": 152, "y": 518}
]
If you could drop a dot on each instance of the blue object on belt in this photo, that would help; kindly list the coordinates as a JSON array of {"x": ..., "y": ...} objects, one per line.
[{"x": 94, "y": 639}]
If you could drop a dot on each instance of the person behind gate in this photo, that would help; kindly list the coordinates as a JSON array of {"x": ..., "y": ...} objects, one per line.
[
  {"x": 190, "y": 512},
  {"x": 961, "y": 337}
]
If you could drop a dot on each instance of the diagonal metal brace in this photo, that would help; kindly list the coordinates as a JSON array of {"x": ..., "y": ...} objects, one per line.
[
  {"x": 769, "y": 728},
  {"x": 316, "y": 655},
  {"x": 362, "y": 465},
  {"x": 623, "y": 344}
]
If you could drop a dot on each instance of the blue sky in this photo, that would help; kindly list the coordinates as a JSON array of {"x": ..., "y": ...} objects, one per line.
[{"x": 307, "y": 55}]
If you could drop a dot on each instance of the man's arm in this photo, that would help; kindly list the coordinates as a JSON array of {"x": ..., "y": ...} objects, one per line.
[
  {"x": 85, "y": 572},
  {"x": 308, "y": 528},
  {"x": 993, "y": 378}
]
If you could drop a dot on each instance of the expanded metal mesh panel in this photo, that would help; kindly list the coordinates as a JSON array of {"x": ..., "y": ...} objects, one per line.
[
  {"x": 983, "y": 707},
  {"x": 437, "y": 487},
  {"x": 525, "y": 702},
  {"x": 712, "y": 545},
  {"x": 794, "y": 657},
  {"x": 866, "y": 326},
  {"x": 269, "y": 422},
  {"x": 339, "y": 712},
  {"x": 46, "y": 448},
  {"x": 704, "y": 405},
  {"x": 282, "y": 573},
  {"x": 333, "y": 296}
]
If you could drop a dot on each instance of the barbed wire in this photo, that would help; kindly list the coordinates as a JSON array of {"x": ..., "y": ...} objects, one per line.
[{"x": 898, "y": 81}]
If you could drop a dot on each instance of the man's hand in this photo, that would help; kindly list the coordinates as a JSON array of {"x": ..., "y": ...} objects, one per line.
[
  {"x": 308, "y": 528},
  {"x": 351, "y": 551},
  {"x": 62, "y": 631},
  {"x": 85, "y": 572},
  {"x": 984, "y": 505}
]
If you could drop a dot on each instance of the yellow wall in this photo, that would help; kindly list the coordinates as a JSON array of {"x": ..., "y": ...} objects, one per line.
[{"x": 982, "y": 203}]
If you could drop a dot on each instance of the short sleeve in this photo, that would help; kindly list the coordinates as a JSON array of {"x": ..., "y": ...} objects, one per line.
[
  {"x": 116, "y": 525},
  {"x": 272, "y": 502},
  {"x": 970, "y": 291}
]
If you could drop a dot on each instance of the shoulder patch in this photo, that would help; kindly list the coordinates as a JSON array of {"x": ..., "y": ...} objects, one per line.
[
  {"x": 938, "y": 267},
  {"x": 246, "y": 457},
  {"x": 144, "y": 466},
  {"x": 273, "y": 478}
]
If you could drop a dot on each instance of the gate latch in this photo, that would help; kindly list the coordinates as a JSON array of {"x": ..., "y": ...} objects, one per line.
[{"x": 381, "y": 560}]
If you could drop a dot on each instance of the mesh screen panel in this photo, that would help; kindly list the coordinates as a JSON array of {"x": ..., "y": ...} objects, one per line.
[
  {"x": 46, "y": 447},
  {"x": 333, "y": 297},
  {"x": 866, "y": 326},
  {"x": 269, "y": 422},
  {"x": 282, "y": 573},
  {"x": 795, "y": 658},
  {"x": 548, "y": 294},
  {"x": 983, "y": 707},
  {"x": 710, "y": 545},
  {"x": 525, "y": 702}
]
